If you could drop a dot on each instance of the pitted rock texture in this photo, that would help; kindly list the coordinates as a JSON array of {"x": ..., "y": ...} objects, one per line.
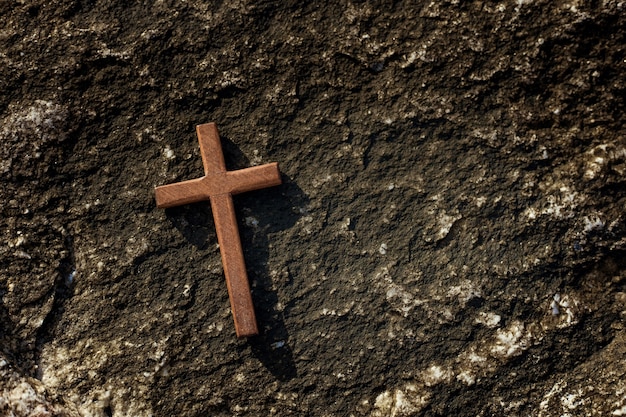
[{"x": 449, "y": 238}]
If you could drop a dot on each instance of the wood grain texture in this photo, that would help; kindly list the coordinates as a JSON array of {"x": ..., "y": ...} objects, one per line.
[{"x": 218, "y": 186}]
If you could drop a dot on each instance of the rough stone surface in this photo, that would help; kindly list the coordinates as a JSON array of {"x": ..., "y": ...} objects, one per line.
[
  {"x": 26, "y": 396},
  {"x": 450, "y": 237}
]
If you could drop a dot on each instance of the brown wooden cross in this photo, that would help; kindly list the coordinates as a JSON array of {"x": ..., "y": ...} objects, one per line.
[{"x": 218, "y": 186}]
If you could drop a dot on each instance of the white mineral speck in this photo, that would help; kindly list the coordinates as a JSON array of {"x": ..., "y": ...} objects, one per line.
[
  {"x": 251, "y": 221},
  {"x": 436, "y": 374},
  {"x": 531, "y": 213},
  {"x": 570, "y": 401},
  {"x": 466, "y": 377},
  {"x": 400, "y": 402},
  {"x": 168, "y": 153},
  {"x": 445, "y": 224},
  {"x": 489, "y": 319},
  {"x": 508, "y": 341},
  {"x": 383, "y": 248},
  {"x": 278, "y": 345},
  {"x": 620, "y": 411},
  {"x": 554, "y": 306},
  {"x": 475, "y": 357},
  {"x": 592, "y": 223},
  {"x": 70, "y": 278}
]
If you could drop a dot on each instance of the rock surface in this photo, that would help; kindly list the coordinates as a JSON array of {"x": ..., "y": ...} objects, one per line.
[{"x": 449, "y": 239}]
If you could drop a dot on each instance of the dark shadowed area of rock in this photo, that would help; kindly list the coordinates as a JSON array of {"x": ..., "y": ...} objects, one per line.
[{"x": 449, "y": 238}]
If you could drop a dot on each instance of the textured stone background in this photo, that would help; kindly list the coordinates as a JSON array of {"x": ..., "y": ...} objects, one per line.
[{"x": 449, "y": 238}]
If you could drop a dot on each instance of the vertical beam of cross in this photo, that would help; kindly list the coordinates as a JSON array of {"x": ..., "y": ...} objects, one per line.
[{"x": 218, "y": 186}]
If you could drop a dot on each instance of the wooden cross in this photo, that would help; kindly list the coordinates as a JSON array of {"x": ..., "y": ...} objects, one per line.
[{"x": 218, "y": 186}]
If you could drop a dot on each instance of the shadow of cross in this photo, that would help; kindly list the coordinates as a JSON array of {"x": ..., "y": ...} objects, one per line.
[{"x": 218, "y": 186}]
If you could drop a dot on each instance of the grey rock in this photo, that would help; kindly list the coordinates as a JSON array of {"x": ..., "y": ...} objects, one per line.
[{"x": 449, "y": 238}]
